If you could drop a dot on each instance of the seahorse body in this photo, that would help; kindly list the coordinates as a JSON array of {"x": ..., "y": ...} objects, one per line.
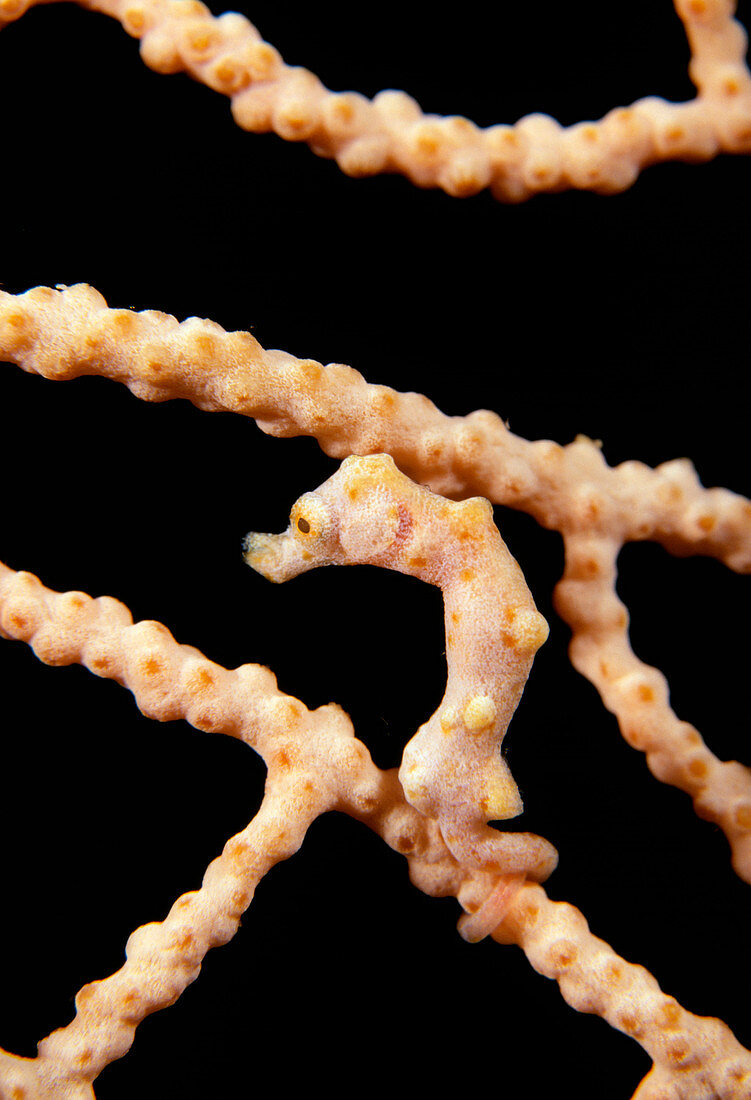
[{"x": 452, "y": 770}]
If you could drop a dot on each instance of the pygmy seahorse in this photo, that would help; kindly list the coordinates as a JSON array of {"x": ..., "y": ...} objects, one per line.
[{"x": 452, "y": 770}]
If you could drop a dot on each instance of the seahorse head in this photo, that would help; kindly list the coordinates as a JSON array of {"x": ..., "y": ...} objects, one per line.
[{"x": 353, "y": 518}]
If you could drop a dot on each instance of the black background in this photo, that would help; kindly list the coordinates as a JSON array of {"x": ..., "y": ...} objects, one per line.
[{"x": 625, "y": 318}]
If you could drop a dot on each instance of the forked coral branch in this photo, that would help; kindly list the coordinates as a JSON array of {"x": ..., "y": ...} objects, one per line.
[{"x": 315, "y": 765}]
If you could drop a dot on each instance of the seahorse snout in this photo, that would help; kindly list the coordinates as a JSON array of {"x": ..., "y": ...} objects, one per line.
[{"x": 278, "y": 558}]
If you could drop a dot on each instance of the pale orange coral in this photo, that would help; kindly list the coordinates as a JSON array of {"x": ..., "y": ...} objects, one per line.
[{"x": 636, "y": 299}]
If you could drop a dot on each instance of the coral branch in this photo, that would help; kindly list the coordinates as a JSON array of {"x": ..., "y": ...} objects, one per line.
[
  {"x": 694, "y": 1057},
  {"x": 392, "y": 134},
  {"x": 66, "y": 333},
  {"x": 162, "y": 958},
  {"x": 171, "y": 681},
  {"x": 638, "y": 695}
]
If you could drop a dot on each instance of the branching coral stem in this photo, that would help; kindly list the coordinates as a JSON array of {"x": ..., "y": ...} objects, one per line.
[
  {"x": 694, "y": 1057},
  {"x": 392, "y": 134}
]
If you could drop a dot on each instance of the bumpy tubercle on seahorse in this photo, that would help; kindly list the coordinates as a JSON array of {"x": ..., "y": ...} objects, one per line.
[{"x": 452, "y": 770}]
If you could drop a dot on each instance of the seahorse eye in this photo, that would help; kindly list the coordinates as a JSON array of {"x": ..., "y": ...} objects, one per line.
[{"x": 310, "y": 519}]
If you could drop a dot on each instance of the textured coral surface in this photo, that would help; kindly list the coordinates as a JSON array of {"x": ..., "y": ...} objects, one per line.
[{"x": 624, "y": 318}]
